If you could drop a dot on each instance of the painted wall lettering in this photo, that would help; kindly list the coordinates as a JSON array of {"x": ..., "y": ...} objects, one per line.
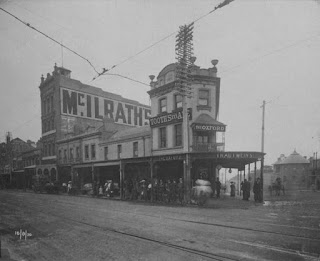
[
  {"x": 69, "y": 102},
  {"x": 80, "y": 104}
]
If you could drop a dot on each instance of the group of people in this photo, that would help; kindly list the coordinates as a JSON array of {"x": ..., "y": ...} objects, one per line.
[
  {"x": 108, "y": 189},
  {"x": 277, "y": 187},
  {"x": 160, "y": 190},
  {"x": 245, "y": 188}
]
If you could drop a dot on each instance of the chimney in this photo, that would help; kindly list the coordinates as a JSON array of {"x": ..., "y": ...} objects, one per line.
[
  {"x": 42, "y": 78},
  {"x": 152, "y": 83},
  {"x": 214, "y": 69}
]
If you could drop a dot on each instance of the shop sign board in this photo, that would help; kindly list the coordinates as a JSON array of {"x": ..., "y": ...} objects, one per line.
[
  {"x": 169, "y": 118},
  {"x": 84, "y": 105},
  {"x": 237, "y": 155},
  {"x": 169, "y": 157},
  {"x": 207, "y": 127}
]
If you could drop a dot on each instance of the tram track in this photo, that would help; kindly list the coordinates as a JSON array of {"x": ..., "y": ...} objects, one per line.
[
  {"x": 194, "y": 251},
  {"x": 40, "y": 205},
  {"x": 162, "y": 217}
]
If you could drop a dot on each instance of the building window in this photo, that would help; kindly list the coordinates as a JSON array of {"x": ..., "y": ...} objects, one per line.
[
  {"x": 119, "y": 151},
  {"x": 78, "y": 152},
  {"x": 86, "y": 152},
  {"x": 48, "y": 104},
  {"x": 135, "y": 149},
  {"x": 105, "y": 153},
  {"x": 60, "y": 155},
  {"x": 204, "y": 97},
  {"x": 178, "y": 134},
  {"x": 71, "y": 153},
  {"x": 65, "y": 155},
  {"x": 163, "y": 105},
  {"x": 203, "y": 138},
  {"x": 178, "y": 101},
  {"x": 163, "y": 137},
  {"x": 93, "y": 151},
  {"x": 53, "y": 149},
  {"x": 44, "y": 107},
  {"x": 51, "y": 102},
  {"x": 49, "y": 149}
]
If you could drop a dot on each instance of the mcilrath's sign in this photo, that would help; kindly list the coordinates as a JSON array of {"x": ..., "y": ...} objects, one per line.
[
  {"x": 84, "y": 105},
  {"x": 206, "y": 127}
]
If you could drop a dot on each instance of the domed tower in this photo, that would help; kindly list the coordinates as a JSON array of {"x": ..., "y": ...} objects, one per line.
[{"x": 293, "y": 171}]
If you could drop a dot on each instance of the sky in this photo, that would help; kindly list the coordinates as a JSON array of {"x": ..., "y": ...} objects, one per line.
[{"x": 267, "y": 50}]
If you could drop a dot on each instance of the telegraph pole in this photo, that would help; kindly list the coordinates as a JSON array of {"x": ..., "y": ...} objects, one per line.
[
  {"x": 262, "y": 145},
  {"x": 184, "y": 52}
]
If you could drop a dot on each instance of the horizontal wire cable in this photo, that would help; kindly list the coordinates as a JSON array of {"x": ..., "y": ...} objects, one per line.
[{"x": 49, "y": 37}]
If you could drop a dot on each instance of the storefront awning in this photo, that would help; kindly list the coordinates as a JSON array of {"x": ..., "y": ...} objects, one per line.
[
  {"x": 31, "y": 167},
  {"x": 103, "y": 164},
  {"x": 18, "y": 171},
  {"x": 205, "y": 122},
  {"x": 231, "y": 159}
]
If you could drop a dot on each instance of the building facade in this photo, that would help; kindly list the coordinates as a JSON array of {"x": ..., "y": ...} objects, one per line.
[
  {"x": 293, "y": 170},
  {"x": 70, "y": 108},
  {"x": 100, "y": 136}
]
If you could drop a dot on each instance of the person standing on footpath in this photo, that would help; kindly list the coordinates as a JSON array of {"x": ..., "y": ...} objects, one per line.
[
  {"x": 218, "y": 187},
  {"x": 233, "y": 189},
  {"x": 257, "y": 190},
  {"x": 246, "y": 190}
]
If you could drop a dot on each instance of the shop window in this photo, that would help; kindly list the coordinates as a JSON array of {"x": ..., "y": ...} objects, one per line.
[
  {"x": 119, "y": 151},
  {"x": 93, "y": 151},
  {"x": 204, "y": 97},
  {"x": 163, "y": 105},
  {"x": 135, "y": 149},
  {"x": 163, "y": 137},
  {"x": 178, "y": 134},
  {"x": 177, "y": 101},
  {"x": 106, "y": 151},
  {"x": 86, "y": 152}
]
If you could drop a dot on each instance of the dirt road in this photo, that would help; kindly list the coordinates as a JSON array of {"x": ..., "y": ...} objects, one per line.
[{"x": 81, "y": 228}]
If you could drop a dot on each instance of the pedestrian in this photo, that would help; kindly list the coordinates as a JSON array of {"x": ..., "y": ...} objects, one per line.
[
  {"x": 218, "y": 187},
  {"x": 69, "y": 187},
  {"x": 257, "y": 190},
  {"x": 180, "y": 191},
  {"x": 100, "y": 192},
  {"x": 233, "y": 189},
  {"x": 241, "y": 189},
  {"x": 246, "y": 190}
]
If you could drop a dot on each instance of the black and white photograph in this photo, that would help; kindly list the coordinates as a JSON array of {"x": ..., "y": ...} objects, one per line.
[{"x": 159, "y": 130}]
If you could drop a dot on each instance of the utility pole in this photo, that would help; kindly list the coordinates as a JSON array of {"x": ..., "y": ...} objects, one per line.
[
  {"x": 262, "y": 146},
  {"x": 184, "y": 52}
]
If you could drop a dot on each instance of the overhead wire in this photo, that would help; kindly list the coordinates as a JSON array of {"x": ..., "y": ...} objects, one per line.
[
  {"x": 104, "y": 71},
  {"x": 49, "y": 37}
]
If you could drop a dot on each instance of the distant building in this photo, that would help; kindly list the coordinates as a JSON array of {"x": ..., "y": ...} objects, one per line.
[
  {"x": 11, "y": 161},
  {"x": 293, "y": 170},
  {"x": 315, "y": 171}
]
